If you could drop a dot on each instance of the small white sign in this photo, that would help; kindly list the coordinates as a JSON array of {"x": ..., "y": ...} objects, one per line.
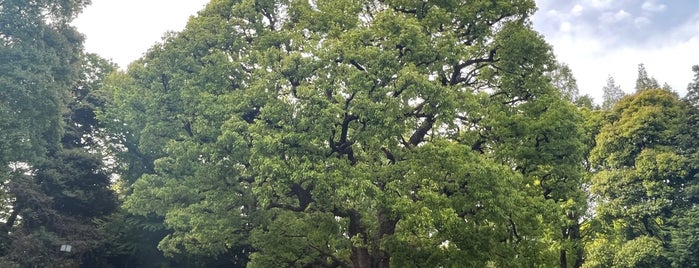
[{"x": 66, "y": 248}]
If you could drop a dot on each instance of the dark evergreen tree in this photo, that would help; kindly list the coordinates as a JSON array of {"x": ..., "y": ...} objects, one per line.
[{"x": 53, "y": 174}]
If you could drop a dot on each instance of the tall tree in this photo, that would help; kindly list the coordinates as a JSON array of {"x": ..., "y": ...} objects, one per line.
[
  {"x": 62, "y": 195},
  {"x": 353, "y": 133},
  {"x": 640, "y": 173},
  {"x": 55, "y": 185},
  {"x": 693, "y": 88},
  {"x": 563, "y": 79},
  {"x": 644, "y": 81},
  {"x": 685, "y": 230},
  {"x": 39, "y": 59},
  {"x": 611, "y": 94}
]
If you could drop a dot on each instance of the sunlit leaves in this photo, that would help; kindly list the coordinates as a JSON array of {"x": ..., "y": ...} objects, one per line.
[{"x": 347, "y": 133}]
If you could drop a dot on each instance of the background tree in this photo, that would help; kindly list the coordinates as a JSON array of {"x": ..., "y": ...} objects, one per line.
[
  {"x": 39, "y": 62},
  {"x": 611, "y": 94},
  {"x": 644, "y": 81},
  {"x": 684, "y": 229},
  {"x": 63, "y": 194},
  {"x": 563, "y": 79},
  {"x": 640, "y": 173},
  {"x": 693, "y": 87},
  {"x": 54, "y": 181}
]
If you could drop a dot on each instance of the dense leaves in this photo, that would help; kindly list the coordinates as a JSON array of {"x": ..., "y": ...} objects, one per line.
[
  {"x": 642, "y": 173},
  {"x": 612, "y": 93},
  {"x": 358, "y": 137},
  {"x": 336, "y": 133},
  {"x": 53, "y": 180}
]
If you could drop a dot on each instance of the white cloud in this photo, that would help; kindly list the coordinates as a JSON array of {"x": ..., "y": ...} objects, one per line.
[
  {"x": 668, "y": 57},
  {"x": 553, "y": 13},
  {"x": 621, "y": 15},
  {"x": 641, "y": 21},
  {"x": 651, "y": 6},
  {"x": 600, "y": 4},
  {"x": 577, "y": 10},
  {"x": 612, "y": 17},
  {"x": 565, "y": 27}
]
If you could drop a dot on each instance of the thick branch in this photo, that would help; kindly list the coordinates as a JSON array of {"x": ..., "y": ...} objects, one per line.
[
  {"x": 389, "y": 155},
  {"x": 419, "y": 134},
  {"x": 357, "y": 65},
  {"x": 303, "y": 195},
  {"x": 166, "y": 82},
  {"x": 11, "y": 220},
  {"x": 187, "y": 126},
  {"x": 514, "y": 230},
  {"x": 336, "y": 262},
  {"x": 456, "y": 75},
  {"x": 345, "y": 127}
]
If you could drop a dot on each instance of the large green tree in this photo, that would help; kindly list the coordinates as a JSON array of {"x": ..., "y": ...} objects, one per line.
[
  {"x": 39, "y": 58},
  {"x": 640, "y": 173},
  {"x": 354, "y": 133}
]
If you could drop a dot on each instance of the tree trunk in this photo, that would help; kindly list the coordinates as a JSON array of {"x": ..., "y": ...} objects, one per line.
[
  {"x": 564, "y": 259},
  {"x": 387, "y": 226},
  {"x": 572, "y": 234},
  {"x": 11, "y": 220},
  {"x": 362, "y": 257},
  {"x": 579, "y": 251}
]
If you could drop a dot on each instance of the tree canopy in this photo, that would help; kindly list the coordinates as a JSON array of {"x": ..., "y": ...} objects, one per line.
[{"x": 336, "y": 133}]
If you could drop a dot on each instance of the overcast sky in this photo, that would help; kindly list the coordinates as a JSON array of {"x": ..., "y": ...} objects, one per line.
[
  {"x": 596, "y": 38},
  {"x": 123, "y": 30}
]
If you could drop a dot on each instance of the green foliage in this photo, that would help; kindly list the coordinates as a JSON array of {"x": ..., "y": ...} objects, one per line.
[
  {"x": 39, "y": 59},
  {"x": 355, "y": 136},
  {"x": 693, "y": 87},
  {"x": 648, "y": 119},
  {"x": 336, "y": 133},
  {"x": 645, "y": 82},
  {"x": 643, "y": 251},
  {"x": 612, "y": 93},
  {"x": 563, "y": 79},
  {"x": 48, "y": 192},
  {"x": 685, "y": 239},
  {"x": 586, "y": 101},
  {"x": 642, "y": 174}
]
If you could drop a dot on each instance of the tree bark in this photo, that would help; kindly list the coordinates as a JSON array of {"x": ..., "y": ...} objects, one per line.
[
  {"x": 370, "y": 255},
  {"x": 387, "y": 226},
  {"x": 11, "y": 220},
  {"x": 572, "y": 234},
  {"x": 564, "y": 259}
]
